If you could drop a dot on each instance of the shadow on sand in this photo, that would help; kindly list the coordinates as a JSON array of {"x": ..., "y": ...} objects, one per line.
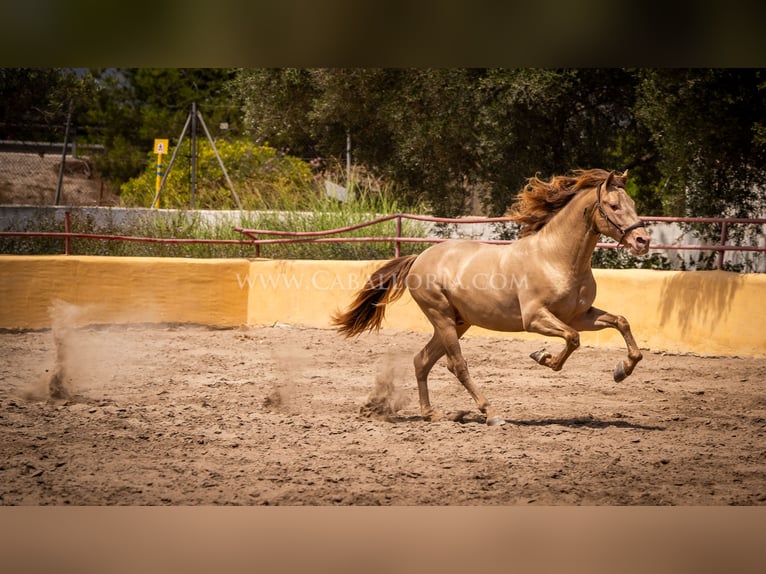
[
  {"x": 574, "y": 422},
  {"x": 585, "y": 422}
]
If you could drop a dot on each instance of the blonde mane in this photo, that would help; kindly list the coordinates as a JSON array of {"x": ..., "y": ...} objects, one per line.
[{"x": 539, "y": 200}]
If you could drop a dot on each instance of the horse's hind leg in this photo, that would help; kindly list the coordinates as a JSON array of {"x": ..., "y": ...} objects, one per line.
[
  {"x": 424, "y": 362},
  {"x": 449, "y": 333},
  {"x": 459, "y": 368},
  {"x": 446, "y": 341}
]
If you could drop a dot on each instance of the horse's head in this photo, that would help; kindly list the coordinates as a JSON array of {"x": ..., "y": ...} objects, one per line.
[{"x": 615, "y": 215}]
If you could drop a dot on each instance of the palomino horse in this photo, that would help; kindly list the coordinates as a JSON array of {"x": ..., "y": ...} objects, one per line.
[{"x": 541, "y": 283}]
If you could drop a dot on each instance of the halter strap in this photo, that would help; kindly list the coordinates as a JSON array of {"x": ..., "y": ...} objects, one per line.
[{"x": 623, "y": 232}]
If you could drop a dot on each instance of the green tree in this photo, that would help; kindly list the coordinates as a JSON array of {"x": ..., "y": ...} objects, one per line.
[
  {"x": 442, "y": 135},
  {"x": 413, "y": 127},
  {"x": 707, "y": 126},
  {"x": 550, "y": 121},
  {"x": 431, "y": 138},
  {"x": 35, "y": 102},
  {"x": 275, "y": 104},
  {"x": 134, "y": 106}
]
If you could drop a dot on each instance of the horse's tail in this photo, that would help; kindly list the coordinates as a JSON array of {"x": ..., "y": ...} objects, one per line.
[{"x": 384, "y": 286}]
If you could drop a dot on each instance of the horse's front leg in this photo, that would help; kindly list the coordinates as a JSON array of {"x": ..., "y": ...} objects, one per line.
[
  {"x": 595, "y": 320},
  {"x": 546, "y": 323}
]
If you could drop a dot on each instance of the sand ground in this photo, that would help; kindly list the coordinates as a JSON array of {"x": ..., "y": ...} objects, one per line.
[{"x": 188, "y": 415}]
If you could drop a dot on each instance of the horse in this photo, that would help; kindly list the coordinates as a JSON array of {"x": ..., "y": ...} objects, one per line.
[{"x": 541, "y": 283}]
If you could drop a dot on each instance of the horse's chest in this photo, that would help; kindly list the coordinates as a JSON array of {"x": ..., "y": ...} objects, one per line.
[
  {"x": 571, "y": 300},
  {"x": 586, "y": 294}
]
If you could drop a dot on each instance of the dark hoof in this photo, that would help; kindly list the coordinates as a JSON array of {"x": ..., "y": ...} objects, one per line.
[
  {"x": 495, "y": 421},
  {"x": 540, "y": 355},
  {"x": 619, "y": 372}
]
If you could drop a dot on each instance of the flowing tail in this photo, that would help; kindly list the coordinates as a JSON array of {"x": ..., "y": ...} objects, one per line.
[{"x": 385, "y": 286}]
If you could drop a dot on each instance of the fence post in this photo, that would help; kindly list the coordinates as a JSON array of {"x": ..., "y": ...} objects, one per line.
[
  {"x": 57, "y": 199},
  {"x": 66, "y": 230},
  {"x": 397, "y": 244},
  {"x": 724, "y": 232}
]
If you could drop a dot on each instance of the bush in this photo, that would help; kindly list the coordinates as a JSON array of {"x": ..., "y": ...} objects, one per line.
[
  {"x": 262, "y": 177},
  {"x": 622, "y": 259}
]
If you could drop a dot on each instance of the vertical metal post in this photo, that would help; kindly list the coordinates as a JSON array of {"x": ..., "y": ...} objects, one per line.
[
  {"x": 220, "y": 161},
  {"x": 158, "y": 182},
  {"x": 348, "y": 162},
  {"x": 193, "y": 153},
  {"x": 63, "y": 154},
  {"x": 397, "y": 244},
  {"x": 724, "y": 233},
  {"x": 67, "y": 231},
  {"x": 172, "y": 159}
]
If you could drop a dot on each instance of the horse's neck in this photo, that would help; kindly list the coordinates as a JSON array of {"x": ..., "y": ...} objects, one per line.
[{"x": 568, "y": 239}]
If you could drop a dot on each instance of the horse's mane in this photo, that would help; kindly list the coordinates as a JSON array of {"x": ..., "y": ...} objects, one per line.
[{"x": 539, "y": 200}]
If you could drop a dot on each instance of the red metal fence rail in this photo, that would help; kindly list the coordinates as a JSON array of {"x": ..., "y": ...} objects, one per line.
[
  {"x": 398, "y": 239},
  {"x": 67, "y": 235},
  {"x": 255, "y": 237}
]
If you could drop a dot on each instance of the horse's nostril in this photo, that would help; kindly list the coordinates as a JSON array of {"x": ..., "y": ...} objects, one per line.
[{"x": 642, "y": 240}]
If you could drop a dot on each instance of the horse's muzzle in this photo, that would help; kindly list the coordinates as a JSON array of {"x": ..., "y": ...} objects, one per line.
[{"x": 638, "y": 241}]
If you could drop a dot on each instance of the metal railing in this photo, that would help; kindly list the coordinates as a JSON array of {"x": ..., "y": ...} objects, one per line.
[
  {"x": 67, "y": 235},
  {"x": 721, "y": 247},
  {"x": 258, "y": 237},
  {"x": 398, "y": 239}
]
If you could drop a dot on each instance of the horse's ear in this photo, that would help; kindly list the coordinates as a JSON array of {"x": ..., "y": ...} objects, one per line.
[
  {"x": 622, "y": 178},
  {"x": 608, "y": 181}
]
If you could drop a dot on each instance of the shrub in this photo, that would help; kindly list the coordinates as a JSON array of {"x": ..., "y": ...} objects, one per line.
[{"x": 262, "y": 177}]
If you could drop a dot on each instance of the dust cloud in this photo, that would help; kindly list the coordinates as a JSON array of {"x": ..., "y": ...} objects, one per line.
[
  {"x": 86, "y": 355},
  {"x": 386, "y": 400},
  {"x": 289, "y": 365}
]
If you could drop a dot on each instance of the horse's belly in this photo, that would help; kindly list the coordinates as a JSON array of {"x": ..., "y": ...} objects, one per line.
[
  {"x": 512, "y": 324},
  {"x": 495, "y": 314}
]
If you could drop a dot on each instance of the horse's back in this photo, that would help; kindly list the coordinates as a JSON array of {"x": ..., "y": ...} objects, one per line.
[
  {"x": 476, "y": 279},
  {"x": 451, "y": 250}
]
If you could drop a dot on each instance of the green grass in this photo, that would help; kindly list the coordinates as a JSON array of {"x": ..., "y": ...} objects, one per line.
[{"x": 325, "y": 214}]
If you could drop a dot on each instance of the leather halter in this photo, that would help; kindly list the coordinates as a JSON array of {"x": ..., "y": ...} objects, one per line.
[{"x": 623, "y": 232}]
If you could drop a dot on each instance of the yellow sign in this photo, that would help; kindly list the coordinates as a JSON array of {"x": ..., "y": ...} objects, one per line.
[{"x": 161, "y": 146}]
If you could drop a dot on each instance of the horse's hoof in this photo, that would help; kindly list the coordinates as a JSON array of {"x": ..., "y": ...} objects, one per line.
[
  {"x": 619, "y": 372},
  {"x": 434, "y": 416},
  {"x": 457, "y": 417},
  {"x": 540, "y": 356},
  {"x": 495, "y": 421}
]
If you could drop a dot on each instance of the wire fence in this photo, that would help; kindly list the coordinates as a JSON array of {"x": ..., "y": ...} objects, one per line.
[{"x": 38, "y": 173}]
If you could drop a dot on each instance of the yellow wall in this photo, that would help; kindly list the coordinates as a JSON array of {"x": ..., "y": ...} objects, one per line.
[
  {"x": 705, "y": 312},
  {"x": 122, "y": 290}
]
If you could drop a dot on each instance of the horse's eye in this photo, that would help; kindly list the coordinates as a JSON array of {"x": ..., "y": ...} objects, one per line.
[{"x": 615, "y": 206}]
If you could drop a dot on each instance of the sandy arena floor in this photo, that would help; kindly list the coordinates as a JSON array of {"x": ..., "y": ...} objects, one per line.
[{"x": 186, "y": 415}]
